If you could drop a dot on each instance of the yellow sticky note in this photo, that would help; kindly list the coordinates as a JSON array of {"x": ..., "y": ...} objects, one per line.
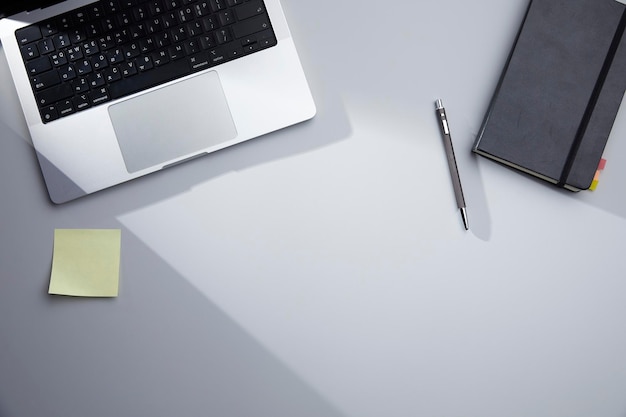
[{"x": 86, "y": 262}]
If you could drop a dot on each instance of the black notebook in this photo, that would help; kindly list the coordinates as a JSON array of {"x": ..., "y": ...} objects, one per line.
[{"x": 559, "y": 93}]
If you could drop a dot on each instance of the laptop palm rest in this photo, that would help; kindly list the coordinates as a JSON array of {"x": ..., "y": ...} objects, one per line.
[{"x": 174, "y": 121}]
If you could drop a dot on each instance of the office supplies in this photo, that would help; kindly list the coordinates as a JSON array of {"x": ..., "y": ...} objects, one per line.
[
  {"x": 559, "y": 93},
  {"x": 596, "y": 178},
  {"x": 454, "y": 171},
  {"x": 115, "y": 89},
  {"x": 86, "y": 262}
]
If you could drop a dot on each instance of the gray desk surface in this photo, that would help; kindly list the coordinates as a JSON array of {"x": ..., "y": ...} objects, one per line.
[{"x": 323, "y": 270}]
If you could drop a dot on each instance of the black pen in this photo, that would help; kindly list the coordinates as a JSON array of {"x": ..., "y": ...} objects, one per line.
[{"x": 454, "y": 171}]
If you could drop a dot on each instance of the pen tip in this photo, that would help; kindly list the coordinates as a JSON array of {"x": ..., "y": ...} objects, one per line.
[
  {"x": 439, "y": 104},
  {"x": 464, "y": 217}
]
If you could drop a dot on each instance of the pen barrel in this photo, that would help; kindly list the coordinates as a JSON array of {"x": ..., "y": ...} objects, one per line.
[{"x": 454, "y": 172}]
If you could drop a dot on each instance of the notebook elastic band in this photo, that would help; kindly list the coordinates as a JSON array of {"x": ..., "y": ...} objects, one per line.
[{"x": 582, "y": 128}]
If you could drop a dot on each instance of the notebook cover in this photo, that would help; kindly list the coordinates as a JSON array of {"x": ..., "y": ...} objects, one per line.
[{"x": 550, "y": 115}]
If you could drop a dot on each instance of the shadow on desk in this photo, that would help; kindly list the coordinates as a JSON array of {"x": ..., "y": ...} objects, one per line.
[{"x": 161, "y": 349}]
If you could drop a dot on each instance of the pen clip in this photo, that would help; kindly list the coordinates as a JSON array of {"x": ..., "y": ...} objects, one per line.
[{"x": 444, "y": 124}]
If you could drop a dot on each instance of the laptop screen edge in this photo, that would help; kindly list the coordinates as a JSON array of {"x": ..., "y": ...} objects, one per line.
[{"x": 10, "y": 8}]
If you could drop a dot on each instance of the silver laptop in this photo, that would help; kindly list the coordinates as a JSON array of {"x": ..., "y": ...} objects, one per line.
[{"x": 116, "y": 89}]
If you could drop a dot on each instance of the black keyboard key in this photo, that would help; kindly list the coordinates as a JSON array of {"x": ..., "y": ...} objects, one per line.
[
  {"x": 173, "y": 4},
  {"x": 251, "y": 47},
  {"x": 210, "y": 23},
  {"x": 99, "y": 95},
  {"x": 61, "y": 40},
  {"x": 127, "y": 4},
  {"x": 46, "y": 46},
  {"x": 108, "y": 24},
  {"x": 96, "y": 79},
  {"x": 95, "y": 10},
  {"x": 191, "y": 46},
  {"x": 250, "y": 26},
  {"x": 106, "y": 42},
  {"x": 137, "y": 31},
  {"x": 77, "y": 35},
  {"x": 124, "y": 19},
  {"x": 178, "y": 34},
  {"x": 65, "y": 107},
  {"x": 91, "y": 47},
  {"x": 131, "y": 51},
  {"x": 266, "y": 38},
  {"x": 176, "y": 52},
  {"x": 29, "y": 51},
  {"x": 121, "y": 36},
  {"x": 81, "y": 101},
  {"x": 128, "y": 69},
  {"x": 49, "y": 113},
  {"x": 226, "y": 17},
  {"x": 233, "y": 51},
  {"x": 45, "y": 80},
  {"x": 162, "y": 39},
  {"x": 28, "y": 34},
  {"x": 217, "y": 56},
  {"x": 194, "y": 29},
  {"x": 83, "y": 67},
  {"x": 93, "y": 29},
  {"x": 169, "y": 20},
  {"x": 53, "y": 94},
  {"x": 199, "y": 61},
  {"x": 217, "y": 5},
  {"x": 39, "y": 65},
  {"x": 156, "y": 7},
  {"x": 144, "y": 63},
  {"x": 186, "y": 14},
  {"x": 67, "y": 73},
  {"x": 75, "y": 53},
  {"x": 223, "y": 36},
  {"x": 115, "y": 55},
  {"x": 112, "y": 74},
  {"x": 202, "y": 8},
  {"x": 48, "y": 28},
  {"x": 80, "y": 85},
  {"x": 249, "y": 9},
  {"x": 154, "y": 25},
  {"x": 111, "y": 6},
  {"x": 267, "y": 42},
  {"x": 99, "y": 62},
  {"x": 140, "y": 13},
  {"x": 58, "y": 58},
  {"x": 248, "y": 40},
  {"x": 80, "y": 16},
  {"x": 160, "y": 58},
  {"x": 207, "y": 41},
  {"x": 64, "y": 23}
]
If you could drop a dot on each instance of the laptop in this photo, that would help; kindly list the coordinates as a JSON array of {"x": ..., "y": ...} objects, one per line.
[{"x": 116, "y": 89}]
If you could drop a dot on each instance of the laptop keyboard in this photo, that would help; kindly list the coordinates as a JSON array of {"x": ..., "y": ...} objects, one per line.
[{"x": 114, "y": 48}]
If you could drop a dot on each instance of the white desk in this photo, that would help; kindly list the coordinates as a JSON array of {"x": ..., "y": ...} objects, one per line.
[{"x": 323, "y": 270}]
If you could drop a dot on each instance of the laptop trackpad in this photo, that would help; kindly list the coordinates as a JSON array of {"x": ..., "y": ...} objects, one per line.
[{"x": 173, "y": 121}]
